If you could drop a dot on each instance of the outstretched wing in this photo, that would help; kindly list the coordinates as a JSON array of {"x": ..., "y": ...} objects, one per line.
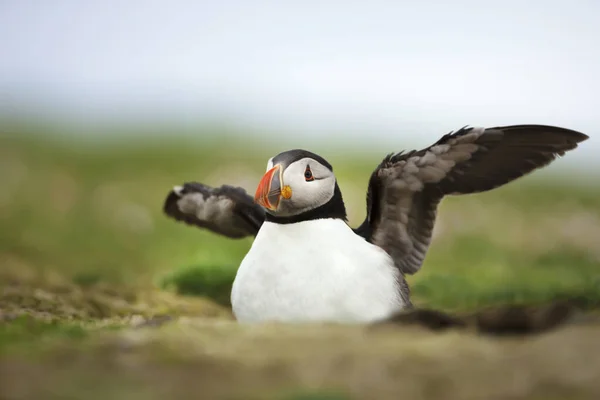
[
  {"x": 227, "y": 210},
  {"x": 406, "y": 188}
]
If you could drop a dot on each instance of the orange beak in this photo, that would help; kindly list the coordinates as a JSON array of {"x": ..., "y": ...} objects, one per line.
[{"x": 268, "y": 193}]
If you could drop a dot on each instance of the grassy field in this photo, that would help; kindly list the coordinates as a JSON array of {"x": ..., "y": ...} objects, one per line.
[{"x": 90, "y": 268}]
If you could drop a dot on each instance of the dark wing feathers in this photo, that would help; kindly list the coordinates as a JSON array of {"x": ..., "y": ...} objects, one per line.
[
  {"x": 506, "y": 153},
  {"x": 227, "y": 210},
  {"x": 406, "y": 188}
]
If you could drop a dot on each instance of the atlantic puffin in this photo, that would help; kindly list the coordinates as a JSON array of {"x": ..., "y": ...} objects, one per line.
[{"x": 306, "y": 264}]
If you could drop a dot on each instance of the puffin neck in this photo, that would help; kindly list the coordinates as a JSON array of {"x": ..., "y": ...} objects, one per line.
[{"x": 334, "y": 208}]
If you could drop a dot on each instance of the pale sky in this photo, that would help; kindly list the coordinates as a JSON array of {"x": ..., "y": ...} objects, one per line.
[{"x": 386, "y": 69}]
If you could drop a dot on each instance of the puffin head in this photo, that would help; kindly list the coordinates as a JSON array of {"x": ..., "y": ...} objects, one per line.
[{"x": 299, "y": 185}]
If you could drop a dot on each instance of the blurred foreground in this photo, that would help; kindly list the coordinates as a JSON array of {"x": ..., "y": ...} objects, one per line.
[{"x": 85, "y": 254}]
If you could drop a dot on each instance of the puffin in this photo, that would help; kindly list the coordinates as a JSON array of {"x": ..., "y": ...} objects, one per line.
[{"x": 307, "y": 264}]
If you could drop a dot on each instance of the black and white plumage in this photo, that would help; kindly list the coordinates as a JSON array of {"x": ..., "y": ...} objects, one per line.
[
  {"x": 406, "y": 188},
  {"x": 403, "y": 194},
  {"x": 227, "y": 210}
]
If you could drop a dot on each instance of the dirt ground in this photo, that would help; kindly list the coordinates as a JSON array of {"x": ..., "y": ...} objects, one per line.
[{"x": 192, "y": 358}]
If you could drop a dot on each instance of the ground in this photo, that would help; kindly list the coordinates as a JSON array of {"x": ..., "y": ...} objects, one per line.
[{"x": 101, "y": 296}]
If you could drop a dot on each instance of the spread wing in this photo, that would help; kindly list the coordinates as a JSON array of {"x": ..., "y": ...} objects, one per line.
[
  {"x": 406, "y": 188},
  {"x": 227, "y": 210}
]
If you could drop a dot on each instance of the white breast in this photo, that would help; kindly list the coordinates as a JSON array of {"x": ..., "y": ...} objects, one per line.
[{"x": 317, "y": 270}]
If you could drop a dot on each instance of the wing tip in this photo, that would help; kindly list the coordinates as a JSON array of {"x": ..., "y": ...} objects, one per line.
[
  {"x": 575, "y": 136},
  {"x": 170, "y": 203},
  {"x": 175, "y": 194},
  {"x": 572, "y": 134},
  {"x": 178, "y": 190}
]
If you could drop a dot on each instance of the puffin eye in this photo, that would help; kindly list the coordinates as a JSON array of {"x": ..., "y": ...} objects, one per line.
[{"x": 308, "y": 176}]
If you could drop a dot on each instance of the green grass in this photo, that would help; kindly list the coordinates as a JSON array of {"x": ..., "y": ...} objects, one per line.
[
  {"x": 91, "y": 214},
  {"x": 85, "y": 249},
  {"x": 202, "y": 280},
  {"x": 483, "y": 274},
  {"x": 320, "y": 395},
  {"x": 26, "y": 329}
]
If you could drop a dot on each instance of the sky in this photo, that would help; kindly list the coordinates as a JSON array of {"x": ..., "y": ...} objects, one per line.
[{"x": 377, "y": 70}]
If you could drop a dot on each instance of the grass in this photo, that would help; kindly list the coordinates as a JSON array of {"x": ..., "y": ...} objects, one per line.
[
  {"x": 25, "y": 329},
  {"x": 202, "y": 280},
  {"x": 86, "y": 257}
]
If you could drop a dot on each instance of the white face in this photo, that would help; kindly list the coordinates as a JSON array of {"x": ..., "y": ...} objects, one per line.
[{"x": 312, "y": 185}]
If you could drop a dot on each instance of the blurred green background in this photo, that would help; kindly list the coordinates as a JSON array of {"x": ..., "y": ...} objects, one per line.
[
  {"x": 88, "y": 260},
  {"x": 106, "y": 105},
  {"x": 89, "y": 213}
]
